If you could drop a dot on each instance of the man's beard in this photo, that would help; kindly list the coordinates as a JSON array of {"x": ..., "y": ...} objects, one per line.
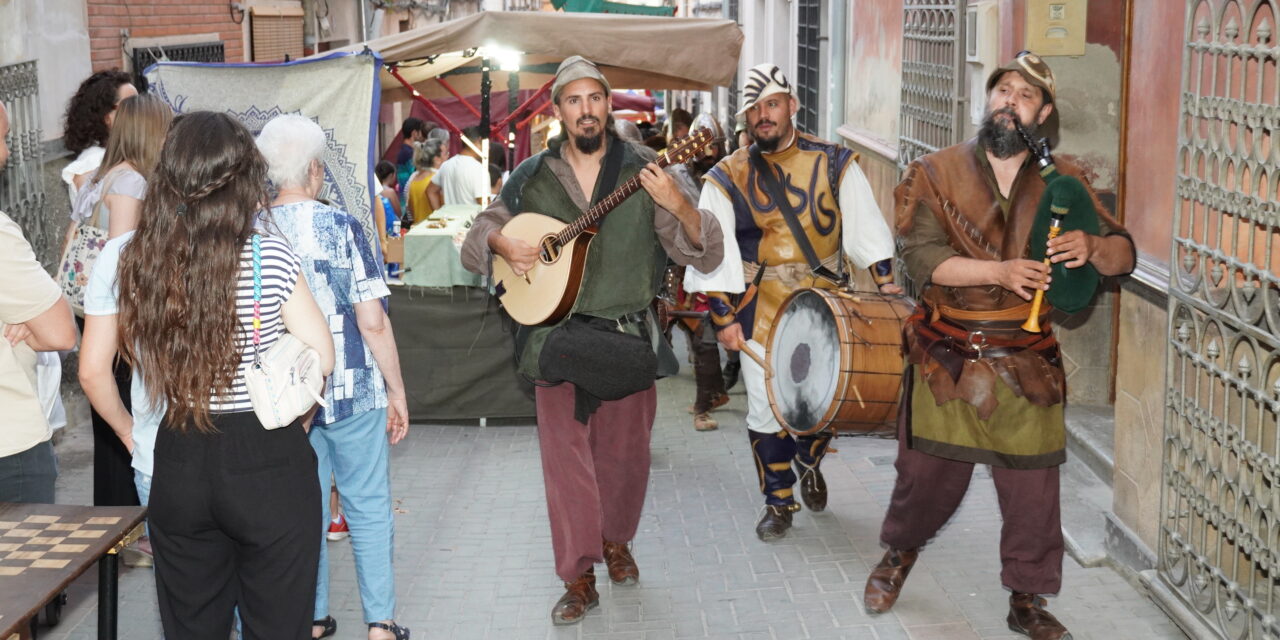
[
  {"x": 589, "y": 143},
  {"x": 769, "y": 144},
  {"x": 1003, "y": 141}
]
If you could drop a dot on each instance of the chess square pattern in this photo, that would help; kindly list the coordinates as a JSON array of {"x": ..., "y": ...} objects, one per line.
[{"x": 46, "y": 541}]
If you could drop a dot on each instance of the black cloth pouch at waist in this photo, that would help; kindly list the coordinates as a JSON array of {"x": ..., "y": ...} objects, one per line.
[{"x": 598, "y": 358}]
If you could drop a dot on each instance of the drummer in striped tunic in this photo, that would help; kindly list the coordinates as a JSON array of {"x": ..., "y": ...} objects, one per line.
[{"x": 837, "y": 211}]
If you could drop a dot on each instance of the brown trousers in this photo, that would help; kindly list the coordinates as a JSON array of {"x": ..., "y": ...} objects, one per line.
[
  {"x": 595, "y": 474},
  {"x": 929, "y": 490},
  {"x": 706, "y": 365}
]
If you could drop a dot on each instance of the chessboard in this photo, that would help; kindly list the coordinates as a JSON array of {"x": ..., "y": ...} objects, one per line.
[
  {"x": 44, "y": 547},
  {"x": 47, "y": 541}
]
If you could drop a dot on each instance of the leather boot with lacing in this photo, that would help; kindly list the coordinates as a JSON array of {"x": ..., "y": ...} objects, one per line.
[
  {"x": 809, "y": 453},
  {"x": 580, "y": 597},
  {"x": 621, "y": 564},
  {"x": 886, "y": 580},
  {"x": 1028, "y": 617},
  {"x": 775, "y": 522},
  {"x": 773, "y": 453}
]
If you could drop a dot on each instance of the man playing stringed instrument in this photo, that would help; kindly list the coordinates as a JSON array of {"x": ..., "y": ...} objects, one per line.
[
  {"x": 981, "y": 389},
  {"x": 595, "y": 453},
  {"x": 831, "y": 204}
]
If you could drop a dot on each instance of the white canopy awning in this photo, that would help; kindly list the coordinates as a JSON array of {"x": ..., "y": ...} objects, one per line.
[{"x": 636, "y": 52}]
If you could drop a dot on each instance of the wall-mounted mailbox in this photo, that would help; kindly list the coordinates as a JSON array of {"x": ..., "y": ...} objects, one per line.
[{"x": 1056, "y": 27}]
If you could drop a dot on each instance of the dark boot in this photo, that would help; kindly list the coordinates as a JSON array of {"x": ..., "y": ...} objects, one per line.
[
  {"x": 773, "y": 453},
  {"x": 1028, "y": 617},
  {"x": 706, "y": 371},
  {"x": 731, "y": 370},
  {"x": 774, "y": 523},
  {"x": 580, "y": 597},
  {"x": 886, "y": 580},
  {"x": 809, "y": 453}
]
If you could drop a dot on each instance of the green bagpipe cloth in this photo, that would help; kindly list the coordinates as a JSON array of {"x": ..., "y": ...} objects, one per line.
[{"x": 1071, "y": 289}]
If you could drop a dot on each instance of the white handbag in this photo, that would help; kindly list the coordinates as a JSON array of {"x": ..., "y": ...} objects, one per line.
[{"x": 285, "y": 381}]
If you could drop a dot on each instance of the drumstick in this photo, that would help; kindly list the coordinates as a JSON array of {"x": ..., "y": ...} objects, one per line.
[
  {"x": 861, "y": 404},
  {"x": 768, "y": 371}
]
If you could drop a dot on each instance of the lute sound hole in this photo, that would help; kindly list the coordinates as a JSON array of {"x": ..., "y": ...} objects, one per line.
[{"x": 550, "y": 249}]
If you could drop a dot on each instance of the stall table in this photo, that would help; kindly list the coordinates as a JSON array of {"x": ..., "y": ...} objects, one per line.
[
  {"x": 47, "y": 546},
  {"x": 431, "y": 249}
]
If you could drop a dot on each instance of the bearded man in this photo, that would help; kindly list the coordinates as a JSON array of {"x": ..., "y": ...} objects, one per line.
[
  {"x": 595, "y": 453},
  {"x": 979, "y": 388},
  {"x": 825, "y": 210}
]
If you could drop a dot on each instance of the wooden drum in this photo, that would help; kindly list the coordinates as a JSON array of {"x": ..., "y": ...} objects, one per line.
[{"x": 835, "y": 361}]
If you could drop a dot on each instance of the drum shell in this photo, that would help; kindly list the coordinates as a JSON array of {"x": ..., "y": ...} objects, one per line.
[{"x": 868, "y": 388}]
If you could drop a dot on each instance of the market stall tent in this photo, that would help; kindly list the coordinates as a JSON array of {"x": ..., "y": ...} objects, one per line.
[{"x": 636, "y": 52}]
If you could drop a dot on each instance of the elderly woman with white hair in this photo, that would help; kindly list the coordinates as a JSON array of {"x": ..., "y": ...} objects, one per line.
[{"x": 366, "y": 409}]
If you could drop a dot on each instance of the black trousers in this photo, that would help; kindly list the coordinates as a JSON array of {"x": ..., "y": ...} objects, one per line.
[
  {"x": 112, "y": 465},
  {"x": 706, "y": 365},
  {"x": 234, "y": 518}
]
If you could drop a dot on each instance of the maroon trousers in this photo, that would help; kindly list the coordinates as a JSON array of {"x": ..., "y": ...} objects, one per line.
[
  {"x": 595, "y": 474},
  {"x": 929, "y": 489}
]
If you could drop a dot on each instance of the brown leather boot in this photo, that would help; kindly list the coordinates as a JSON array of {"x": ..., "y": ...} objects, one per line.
[
  {"x": 775, "y": 522},
  {"x": 813, "y": 490},
  {"x": 622, "y": 566},
  {"x": 1028, "y": 617},
  {"x": 885, "y": 582},
  {"x": 580, "y": 597}
]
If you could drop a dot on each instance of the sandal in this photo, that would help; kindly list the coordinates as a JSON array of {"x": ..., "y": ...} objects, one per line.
[
  {"x": 717, "y": 401},
  {"x": 704, "y": 422},
  {"x": 401, "y": 633},
  {"x": 327, "y": 623}
]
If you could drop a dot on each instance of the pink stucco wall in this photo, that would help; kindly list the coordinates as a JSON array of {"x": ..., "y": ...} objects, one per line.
[{"x": 1152, "y": 143}]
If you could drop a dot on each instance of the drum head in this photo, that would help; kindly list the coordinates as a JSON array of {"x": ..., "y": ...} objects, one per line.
[{"x": 804, "y": 353}]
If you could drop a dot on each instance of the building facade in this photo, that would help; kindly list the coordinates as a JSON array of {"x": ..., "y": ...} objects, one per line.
[{"x": 1174, "y": 373}]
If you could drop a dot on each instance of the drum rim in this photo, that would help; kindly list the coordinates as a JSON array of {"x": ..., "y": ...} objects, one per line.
[
  {"x": 834, "y": 385},
  {"x": 830, "y": 296},
  {"x": 826, "y": 295}
]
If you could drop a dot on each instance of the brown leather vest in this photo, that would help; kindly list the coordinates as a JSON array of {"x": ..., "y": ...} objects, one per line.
[
  {"x": 960, "y": 191},
  {"x": 954, "y": 184}
]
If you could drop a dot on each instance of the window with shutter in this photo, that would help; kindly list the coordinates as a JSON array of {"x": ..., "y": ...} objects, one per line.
[{"x": 275, "y": 33}]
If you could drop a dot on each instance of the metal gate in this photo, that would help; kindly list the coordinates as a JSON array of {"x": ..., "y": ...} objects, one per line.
[
  {"x": 808, "y": 62},
  {"x": 933, "y": 87},
  {"x": 21, "y": 189},
  {"x": 1219, "y": 546}
]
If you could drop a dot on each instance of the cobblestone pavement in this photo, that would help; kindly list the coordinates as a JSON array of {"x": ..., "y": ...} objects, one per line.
[{"x": 474, "y": 553}]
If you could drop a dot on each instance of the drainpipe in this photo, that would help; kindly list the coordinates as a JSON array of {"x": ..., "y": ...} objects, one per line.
[
  {"x": 364, "y": 20},
  {"x": 308, "y": 27},
  {"x": 839, "y": 40}
]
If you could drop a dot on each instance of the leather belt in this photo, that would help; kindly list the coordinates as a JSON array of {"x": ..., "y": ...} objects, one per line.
[
  {"x": 1019, "y": 312},
  {"x": 950, "y": 344},
  {"x": 791, "y": 274}
]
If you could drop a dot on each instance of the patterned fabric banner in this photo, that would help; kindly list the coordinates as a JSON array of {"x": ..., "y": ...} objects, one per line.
[{"x": 340, "y": 93}]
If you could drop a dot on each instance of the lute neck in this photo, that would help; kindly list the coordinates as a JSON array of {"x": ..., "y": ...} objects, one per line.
[{"x": 600, "y": 209}]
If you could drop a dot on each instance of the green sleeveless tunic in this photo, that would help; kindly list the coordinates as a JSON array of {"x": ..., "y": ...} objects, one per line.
[{"x": 625, "y": 262}]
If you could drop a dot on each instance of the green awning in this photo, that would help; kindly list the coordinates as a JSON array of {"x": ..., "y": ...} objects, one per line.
[{"x": 607, "y": 6}]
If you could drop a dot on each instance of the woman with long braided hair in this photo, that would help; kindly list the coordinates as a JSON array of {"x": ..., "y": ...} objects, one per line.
[{"x": 234, "y": 507}]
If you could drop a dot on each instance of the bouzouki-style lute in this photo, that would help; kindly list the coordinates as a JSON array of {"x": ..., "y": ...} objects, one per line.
[{"x": 546, "y": 293}]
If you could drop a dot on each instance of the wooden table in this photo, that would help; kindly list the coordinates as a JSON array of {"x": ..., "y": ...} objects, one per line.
[{"x": 44, "y": 547}]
